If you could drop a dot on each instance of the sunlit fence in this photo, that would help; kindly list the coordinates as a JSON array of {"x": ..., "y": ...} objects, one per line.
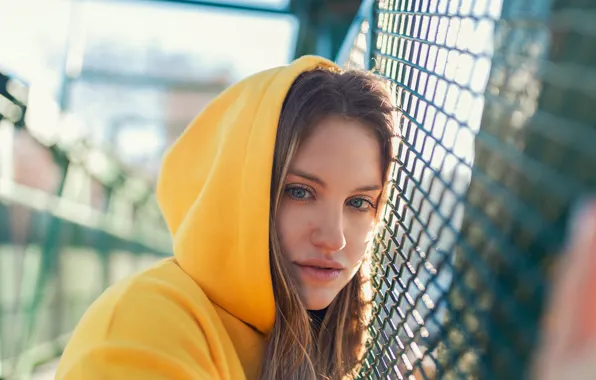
[
  {"x": 496, "y": 102},
  {"x": 72, "y": 221}
]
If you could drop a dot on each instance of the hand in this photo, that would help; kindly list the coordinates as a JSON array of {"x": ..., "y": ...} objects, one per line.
[{"x": 568, "y": 346}]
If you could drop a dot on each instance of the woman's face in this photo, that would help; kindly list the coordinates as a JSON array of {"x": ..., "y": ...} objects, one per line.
[{"x": 328, "y": 211}]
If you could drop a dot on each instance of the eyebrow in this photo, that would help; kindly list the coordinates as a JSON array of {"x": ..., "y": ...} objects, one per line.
[{"x": 319, "y": 181}]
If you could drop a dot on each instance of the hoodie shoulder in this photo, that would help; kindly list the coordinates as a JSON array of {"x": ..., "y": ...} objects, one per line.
[{"x": 158, "y": 324}]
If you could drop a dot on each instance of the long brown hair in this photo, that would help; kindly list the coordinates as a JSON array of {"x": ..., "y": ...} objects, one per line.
[{"x": 297, "y": 347}]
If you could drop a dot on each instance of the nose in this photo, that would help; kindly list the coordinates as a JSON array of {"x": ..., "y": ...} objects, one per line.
[{"x": 328, "y": 234}]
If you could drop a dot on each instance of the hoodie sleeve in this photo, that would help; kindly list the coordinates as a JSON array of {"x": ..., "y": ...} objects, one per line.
[
  {"x": 134, "y": 361},
  {"x": 147, "y": 332}
]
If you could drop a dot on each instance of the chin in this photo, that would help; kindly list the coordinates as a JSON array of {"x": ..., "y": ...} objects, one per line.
[{"x": 317, "y": 300}]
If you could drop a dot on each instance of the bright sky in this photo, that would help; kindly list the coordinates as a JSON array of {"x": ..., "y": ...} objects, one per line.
[
  {"x": 120, "y": 35},
  {"x": 248, "y": 41},
  {"x": 32, "y": 34}
]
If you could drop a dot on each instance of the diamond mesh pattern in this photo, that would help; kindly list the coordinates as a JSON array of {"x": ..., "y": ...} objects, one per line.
[{"x": 498, "y": 130}]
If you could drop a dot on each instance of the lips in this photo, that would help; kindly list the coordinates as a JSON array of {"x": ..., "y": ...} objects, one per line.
[
  {"x": 321, "y": 264},
  {"x": 319, "y": 270}
]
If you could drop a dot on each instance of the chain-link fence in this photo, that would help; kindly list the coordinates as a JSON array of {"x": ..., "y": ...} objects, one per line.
[{"x": 498, "y": 127}]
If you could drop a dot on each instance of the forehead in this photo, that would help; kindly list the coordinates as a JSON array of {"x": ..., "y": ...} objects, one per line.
[{"x": 339, "y": 147}]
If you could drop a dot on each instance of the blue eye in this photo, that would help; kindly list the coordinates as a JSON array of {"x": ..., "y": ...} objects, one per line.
[
  {"x": 360, "y": 204},
  {"x": 299, "y": 193},
  {"x": 356, "y": 202}
]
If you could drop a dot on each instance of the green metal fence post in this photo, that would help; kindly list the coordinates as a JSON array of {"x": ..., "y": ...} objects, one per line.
[
  {"x": 369, "y": 59},
  {"x": 48, "y": 270}
]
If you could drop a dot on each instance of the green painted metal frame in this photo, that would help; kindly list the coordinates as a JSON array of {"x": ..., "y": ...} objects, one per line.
[
  {"x": 63, "y": 230},
  {"x": 223, "y": 5}
]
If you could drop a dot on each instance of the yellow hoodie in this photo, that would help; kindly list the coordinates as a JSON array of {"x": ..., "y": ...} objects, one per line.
[{"x": 206, "y": 312}]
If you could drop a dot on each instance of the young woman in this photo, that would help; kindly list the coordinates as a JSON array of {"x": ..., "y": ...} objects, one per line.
[{"x": 272, "y": 196}]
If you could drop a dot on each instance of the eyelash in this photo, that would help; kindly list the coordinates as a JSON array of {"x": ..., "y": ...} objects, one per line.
[
  {"x": 365, "y": 200},
  {"x": 309, "y": 190},
  {"x": 312, "y": 193}
]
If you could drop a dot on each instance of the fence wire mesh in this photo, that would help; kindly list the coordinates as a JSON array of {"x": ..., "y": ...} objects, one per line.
[{"x": 498, "y": 127}]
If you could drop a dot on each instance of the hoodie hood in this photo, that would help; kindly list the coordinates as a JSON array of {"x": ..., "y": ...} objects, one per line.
[{"x": 214, "y": 192}]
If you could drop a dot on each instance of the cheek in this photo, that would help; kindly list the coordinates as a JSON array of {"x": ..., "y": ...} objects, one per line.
[
  {"x": 292, "y": 226},
  {"x": 359, "y": 235}
]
